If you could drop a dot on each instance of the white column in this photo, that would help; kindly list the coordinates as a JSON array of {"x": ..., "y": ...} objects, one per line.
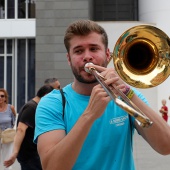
[{"x": 158, "y": 12}]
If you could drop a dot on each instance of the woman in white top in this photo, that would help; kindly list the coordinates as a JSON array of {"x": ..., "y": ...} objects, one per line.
[{"x": 7, "y": 120}]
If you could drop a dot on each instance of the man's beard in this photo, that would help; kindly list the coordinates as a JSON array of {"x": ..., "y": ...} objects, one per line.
[{"x": 80, "y": 78}]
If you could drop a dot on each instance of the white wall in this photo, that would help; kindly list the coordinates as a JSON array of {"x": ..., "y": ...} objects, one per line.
[
  {"x": 114, "y": 31},
  {"x": 158, "y": 12},
  {"x": 11, "y": 28}
]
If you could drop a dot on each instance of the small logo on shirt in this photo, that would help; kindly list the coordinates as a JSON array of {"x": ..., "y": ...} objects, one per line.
[{"x": 119, "y": 121}]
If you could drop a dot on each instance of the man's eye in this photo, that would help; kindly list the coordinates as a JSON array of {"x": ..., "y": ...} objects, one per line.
[
  {"x": 78, "y": 51},
  {"x": 94, "y": 49}
]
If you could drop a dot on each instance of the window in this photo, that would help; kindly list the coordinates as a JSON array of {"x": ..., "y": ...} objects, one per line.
[
  {"x": 25, "y": 9},
  {"x": 17, "y": 69},
  {"x": 2, "y": 9},
  {"x": 115, "y": 10}
]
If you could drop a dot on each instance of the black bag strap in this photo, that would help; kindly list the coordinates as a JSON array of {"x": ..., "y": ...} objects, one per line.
[
  {"x": 131, "y": 135},
  {"x": 63, "y": 100}
]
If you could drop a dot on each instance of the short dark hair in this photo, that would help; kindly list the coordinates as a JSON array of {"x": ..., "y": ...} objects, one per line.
[
  {"x": 44, "y": 90},
  {"x": 82, "y": 28},
  {"x": 50, "y": 80}
]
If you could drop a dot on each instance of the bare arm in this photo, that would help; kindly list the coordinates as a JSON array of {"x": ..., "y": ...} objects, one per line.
[
  {"x": 158, "y": 135},
  {"x": 61, "y": 149},
  {"x": 21, "y": 129},
  {"x": 13, "y": 110}
]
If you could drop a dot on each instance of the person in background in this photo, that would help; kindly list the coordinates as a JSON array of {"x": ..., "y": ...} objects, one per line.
[
  {"x": 53, "y": 82},
  {"x": 7, "y": 120},
  {"x": 94, "y": 132},
  {"x": 164, "y": 110},
  {"x": 24, "y": 149}
]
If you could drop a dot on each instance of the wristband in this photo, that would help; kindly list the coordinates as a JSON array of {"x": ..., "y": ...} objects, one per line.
[{"x": 130, "y": 94}]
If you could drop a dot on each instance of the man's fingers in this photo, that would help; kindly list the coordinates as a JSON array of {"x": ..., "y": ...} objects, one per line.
[{"x": 98, "y": 68}]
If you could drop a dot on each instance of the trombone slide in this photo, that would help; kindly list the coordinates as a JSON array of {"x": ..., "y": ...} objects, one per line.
[{"x": 132, "y": 110}]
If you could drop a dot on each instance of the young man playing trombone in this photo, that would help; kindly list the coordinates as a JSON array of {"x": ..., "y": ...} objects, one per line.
[{"x": 94, "y": 133}]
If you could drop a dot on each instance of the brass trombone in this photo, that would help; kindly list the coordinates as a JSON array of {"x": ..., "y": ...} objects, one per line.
[
  {"x": 141, "y": 58},
  {"x": 129, "y": 106}
]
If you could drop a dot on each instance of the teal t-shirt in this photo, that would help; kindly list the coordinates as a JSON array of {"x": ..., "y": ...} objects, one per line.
[{"x": 108, "y": 145}]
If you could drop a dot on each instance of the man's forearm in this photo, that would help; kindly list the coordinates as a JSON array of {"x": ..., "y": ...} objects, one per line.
[
  {"x": 68, "y": 149},
  {"x": 159, "y": 132},
  {"x": 19, "y": 137}
]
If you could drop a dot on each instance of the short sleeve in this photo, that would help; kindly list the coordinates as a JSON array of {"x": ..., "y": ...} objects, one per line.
[
  {"x": 48, "y": 115},
  {"x": 28, "y": 116}
]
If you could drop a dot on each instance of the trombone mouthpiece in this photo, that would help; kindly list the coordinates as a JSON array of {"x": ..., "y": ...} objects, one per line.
[{"x": 88, "y": 69}]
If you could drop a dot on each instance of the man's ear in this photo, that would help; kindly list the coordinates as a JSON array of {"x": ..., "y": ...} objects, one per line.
[
  {"x": 68, "y": 59},
  {"x": 108, "y": 55}
]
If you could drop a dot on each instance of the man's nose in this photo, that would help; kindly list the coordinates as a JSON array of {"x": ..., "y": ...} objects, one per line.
[{"x": 87, "y": 57}]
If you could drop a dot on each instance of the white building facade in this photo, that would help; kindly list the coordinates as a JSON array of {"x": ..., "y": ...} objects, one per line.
[{"x": 32, "y": 50}]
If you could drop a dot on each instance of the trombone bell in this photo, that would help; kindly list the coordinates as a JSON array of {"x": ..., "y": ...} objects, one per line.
[{"x": 142, "y": 56}]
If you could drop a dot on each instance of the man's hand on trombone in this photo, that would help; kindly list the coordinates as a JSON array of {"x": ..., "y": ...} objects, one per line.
[{"x": 110, "y": 77}]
